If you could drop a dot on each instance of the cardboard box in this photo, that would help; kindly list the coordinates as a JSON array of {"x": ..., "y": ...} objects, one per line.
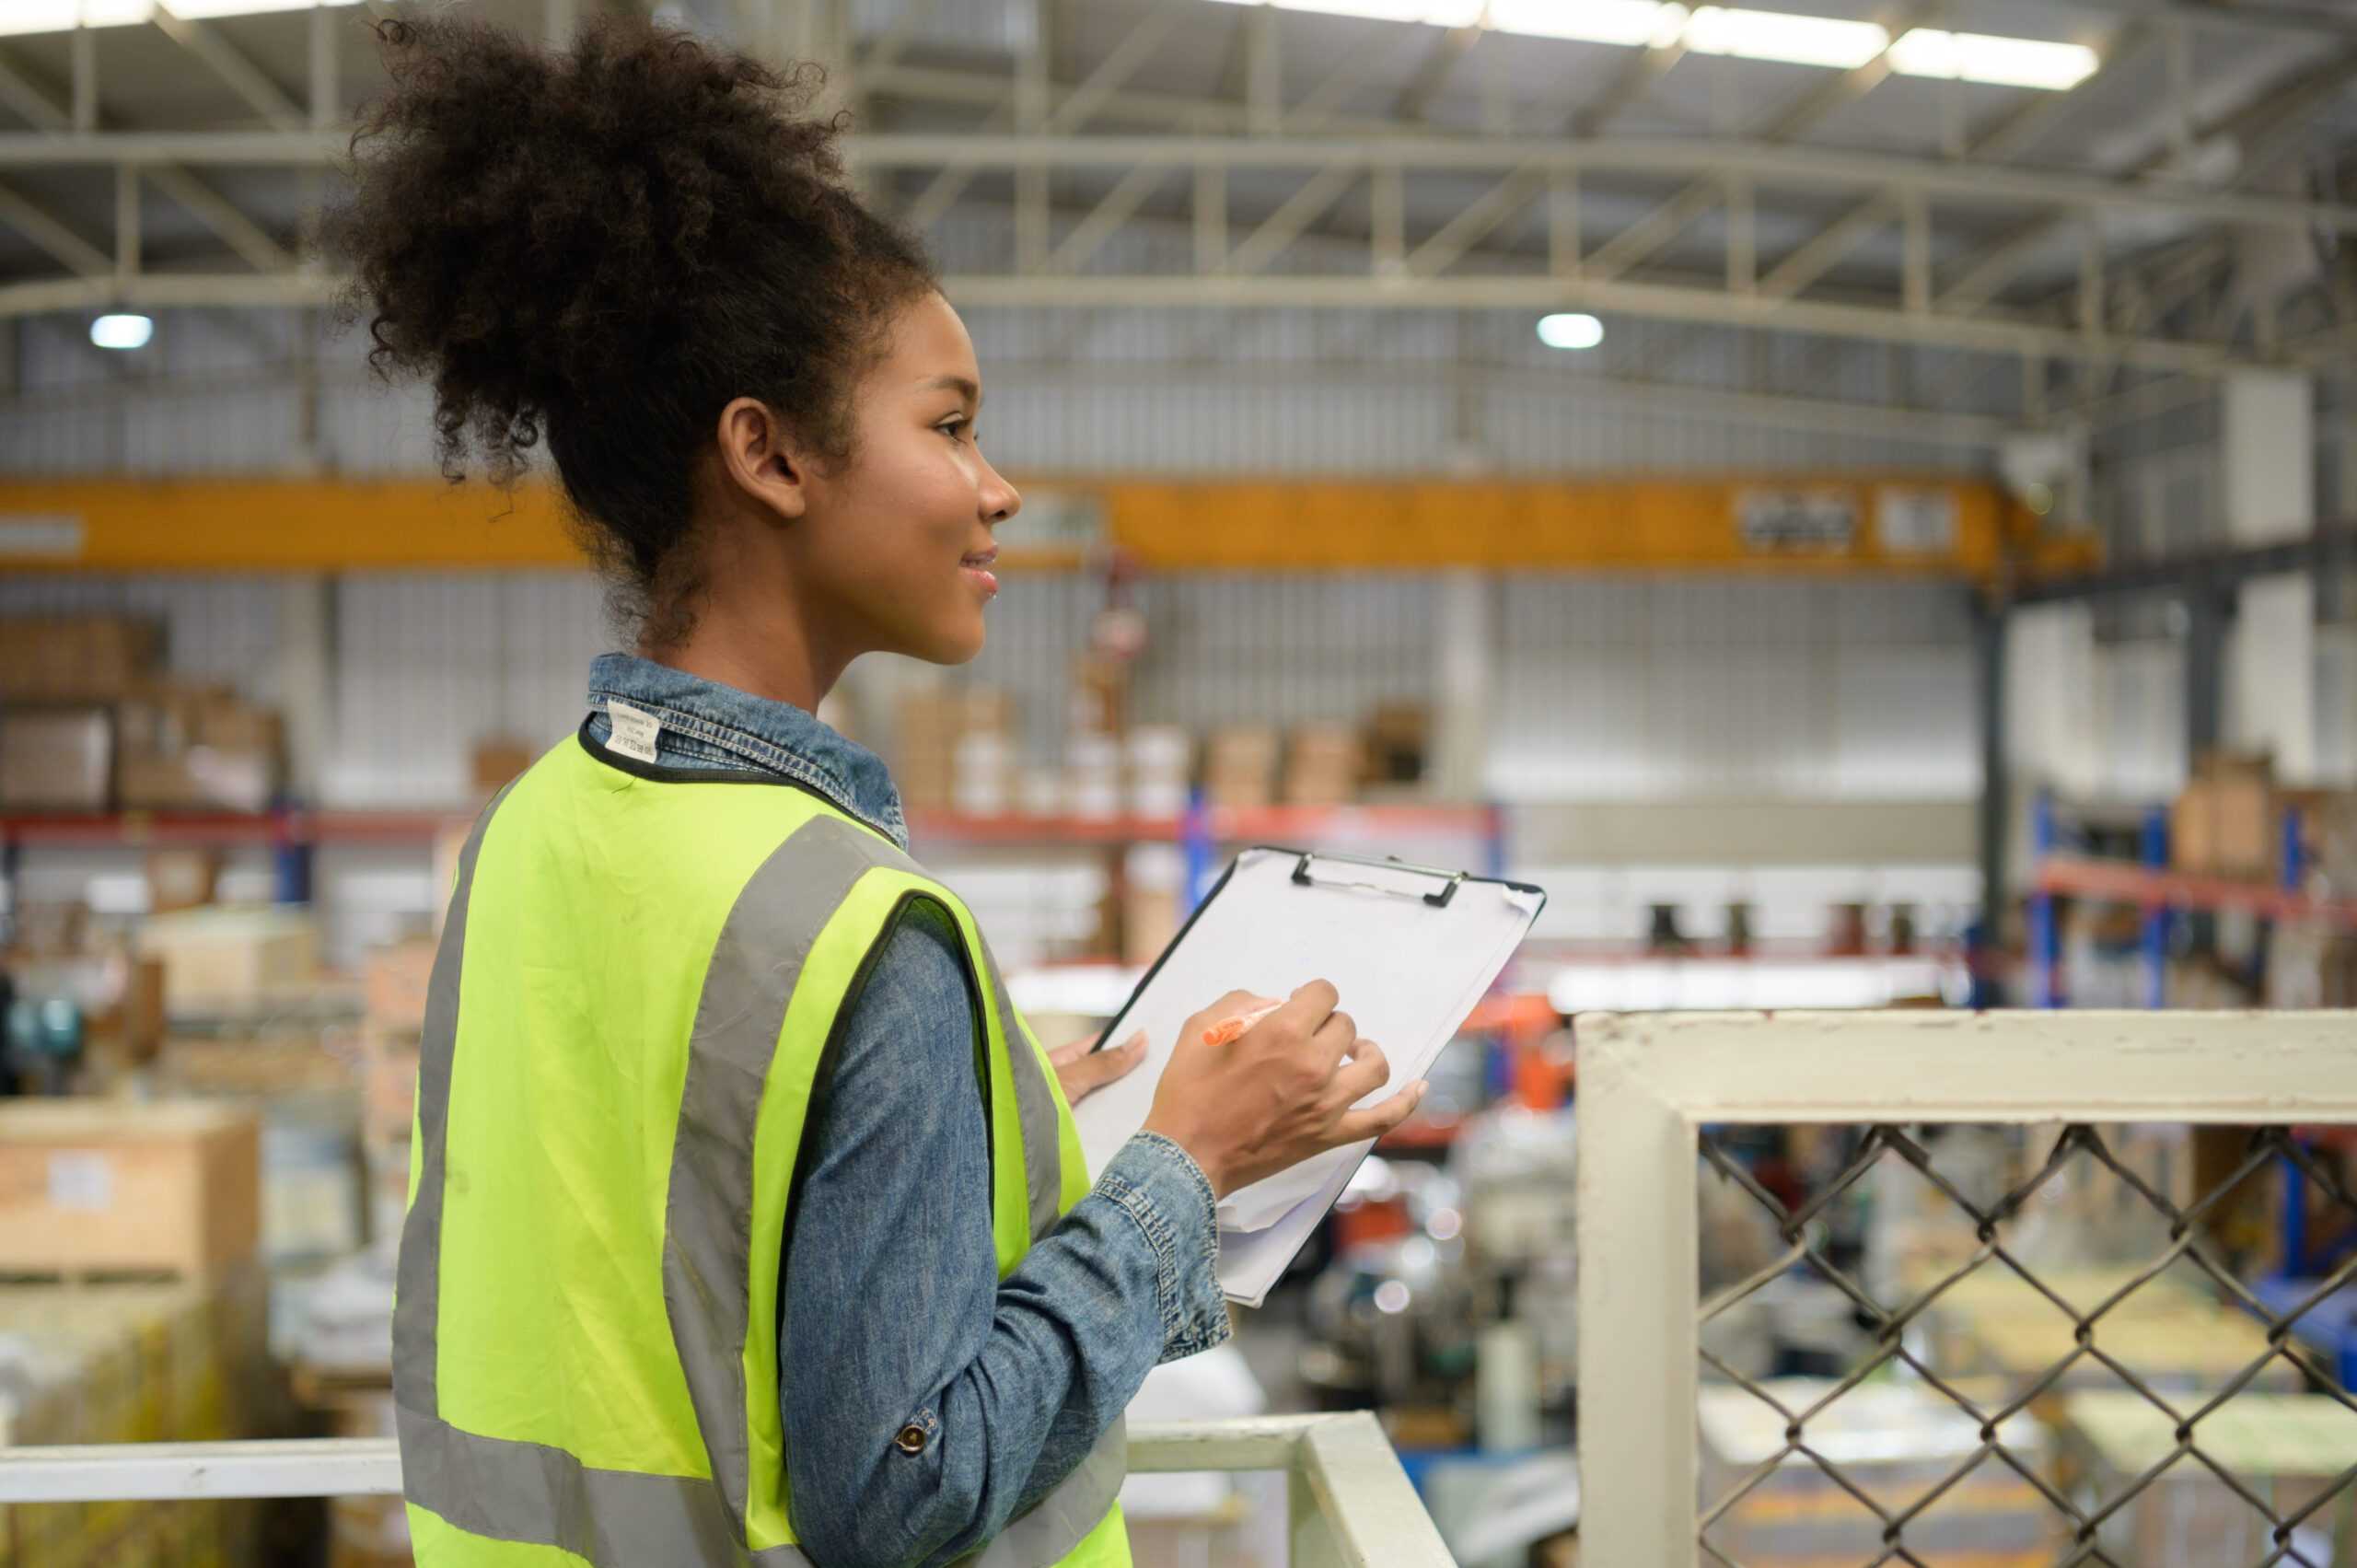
[
  {"x": 394, "y": 981},
  {"x": 199, "y": 779},
  {"x": 89, "y": 1187},
  {"x": 226, "y": 724},
  {"x": 56, "y": 758},
  {"x": 2224, "y": 822},
  {"x": 180, "y": 878},
  {"x": 1399, "y": 740},
  {"x": 1240, "y": 766},
  {"x": 77, "y": 657},
  {"x": 230, "y": 960},
  {"x": 933, "y": 727},
  {"x": 496, "y": 763},
  {"x": 251, "y": 1068},
  {"x": 1325, "y": 766},
  {"x": 184, "y": 747}
]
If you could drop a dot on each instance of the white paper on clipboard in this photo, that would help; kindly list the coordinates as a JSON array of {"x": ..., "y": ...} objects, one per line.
[{"x": 1408, "y": 973}]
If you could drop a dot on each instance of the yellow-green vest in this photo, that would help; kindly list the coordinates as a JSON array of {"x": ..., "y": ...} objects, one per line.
[{"x": 634, "y": 991}]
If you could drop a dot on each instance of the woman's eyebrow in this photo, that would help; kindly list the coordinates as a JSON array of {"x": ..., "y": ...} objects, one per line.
[{"x": 958, "y": 384}]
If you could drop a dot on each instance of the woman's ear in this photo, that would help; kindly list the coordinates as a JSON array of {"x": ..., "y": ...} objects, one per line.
[{"x": 757, "y": 456}]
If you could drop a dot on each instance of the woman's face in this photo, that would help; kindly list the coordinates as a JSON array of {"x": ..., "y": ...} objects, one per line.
[{"x": 898, "y": 540}]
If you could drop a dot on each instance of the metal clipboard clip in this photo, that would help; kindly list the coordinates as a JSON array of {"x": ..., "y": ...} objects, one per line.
[{"x": 1440, "y": 899}]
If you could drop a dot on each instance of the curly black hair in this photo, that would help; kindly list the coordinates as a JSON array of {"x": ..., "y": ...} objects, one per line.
[{"x": 604, "y": 245}]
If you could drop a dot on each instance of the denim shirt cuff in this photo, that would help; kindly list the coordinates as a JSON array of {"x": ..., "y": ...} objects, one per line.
[{"x": 1165, "y": 1194}]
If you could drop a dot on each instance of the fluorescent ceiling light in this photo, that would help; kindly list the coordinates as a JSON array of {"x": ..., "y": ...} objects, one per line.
[
  {"x": 122, "y": 331},
  {"x": 1571, "y": 332},
  {"x": 2000, "y": 61},
  {"x": 1777, "y": 35},
  {"x": 1634, "y": 23},
  {"x": 1730, "y": 30}
]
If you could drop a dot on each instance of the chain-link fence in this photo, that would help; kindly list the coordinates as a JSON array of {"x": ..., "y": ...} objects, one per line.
[{"x": 2004, "y": 1346}]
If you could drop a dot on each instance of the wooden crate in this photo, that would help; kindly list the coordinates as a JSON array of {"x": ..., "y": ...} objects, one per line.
[{"x": 91, "y": 1187}]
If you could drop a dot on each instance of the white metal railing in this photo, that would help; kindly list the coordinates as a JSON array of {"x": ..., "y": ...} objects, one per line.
[
  {"x": 1648, "y": 1085},
  {"x": 1352, "y": 1504}
]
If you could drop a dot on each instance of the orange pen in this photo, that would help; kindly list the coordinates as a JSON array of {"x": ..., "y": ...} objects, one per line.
[{"x": 1227, "y": 1031}]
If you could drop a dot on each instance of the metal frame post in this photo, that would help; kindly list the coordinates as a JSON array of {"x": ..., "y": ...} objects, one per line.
[
  {"x": 2045, "y": 935},
  {"x": 1988, "y": 635},
  {"x": 2155, "y": 844}
]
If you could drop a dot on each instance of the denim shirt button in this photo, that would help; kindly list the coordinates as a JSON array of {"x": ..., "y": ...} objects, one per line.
[{"x": 911, "y": 1439}]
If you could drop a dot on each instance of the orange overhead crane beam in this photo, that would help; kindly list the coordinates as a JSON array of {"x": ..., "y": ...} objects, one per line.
[
  {"x": 1926, "y": 527},
  {"x": 1775, "y": 523}
]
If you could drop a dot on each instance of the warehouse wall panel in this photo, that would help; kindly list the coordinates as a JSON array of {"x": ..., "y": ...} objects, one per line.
[
  {"x": 1673, "y": 688},
  {"x": 430, "y": 664}
]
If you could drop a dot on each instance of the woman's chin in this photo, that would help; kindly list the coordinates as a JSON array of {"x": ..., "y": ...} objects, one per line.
[{"x": 955, "y": 644}]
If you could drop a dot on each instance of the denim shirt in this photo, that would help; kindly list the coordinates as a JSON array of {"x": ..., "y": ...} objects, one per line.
[{"x": 892, "y": 1318}]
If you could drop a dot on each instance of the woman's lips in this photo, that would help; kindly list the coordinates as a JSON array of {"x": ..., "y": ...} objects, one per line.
[{"x": 977, "y": 568}]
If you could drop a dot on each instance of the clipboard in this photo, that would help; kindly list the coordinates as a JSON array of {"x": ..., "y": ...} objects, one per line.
[{"x": 1411, "y": 950}]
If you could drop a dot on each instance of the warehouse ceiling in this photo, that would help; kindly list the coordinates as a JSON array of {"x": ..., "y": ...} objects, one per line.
[{"x": 2181, "y": 209}]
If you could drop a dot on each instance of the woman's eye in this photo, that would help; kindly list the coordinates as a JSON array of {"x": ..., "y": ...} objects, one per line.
[{"x": 953, "y": 428}]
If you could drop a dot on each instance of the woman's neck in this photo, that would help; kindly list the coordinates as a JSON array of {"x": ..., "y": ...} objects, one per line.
[{"x": 769, "y": 653}]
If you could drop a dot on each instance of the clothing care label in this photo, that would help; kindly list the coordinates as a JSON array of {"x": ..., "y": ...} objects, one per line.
[{"x": 634, "y": 731}]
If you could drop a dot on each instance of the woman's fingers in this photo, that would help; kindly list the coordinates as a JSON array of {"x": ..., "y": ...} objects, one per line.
[
  {"x": 1376, "y": 1119},
  {"x": 1083, "y": 1072},
  {"x": 1367, "y": 1071},
  {"x": 1335, "y": 1039},
  {"x": 1066, "y": 1055}
]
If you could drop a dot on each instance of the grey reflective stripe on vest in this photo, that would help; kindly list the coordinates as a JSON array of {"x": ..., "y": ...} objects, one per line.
[
  {"x": 530, "y": 1492},
  {"x": 1062, "y": 1519},
  {"x": 707, "y": 1244},
  {"x": 1035, "y": 1106},
  {"x": 417, "y": 1283}
]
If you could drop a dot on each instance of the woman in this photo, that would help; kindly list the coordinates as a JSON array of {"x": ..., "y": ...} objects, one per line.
[{"x": 747, "y": 1222}]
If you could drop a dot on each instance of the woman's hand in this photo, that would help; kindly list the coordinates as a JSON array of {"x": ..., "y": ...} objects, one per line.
[
  {"x": 1082, "y": 1069},
  {"x": 1278, "y": 1096}
]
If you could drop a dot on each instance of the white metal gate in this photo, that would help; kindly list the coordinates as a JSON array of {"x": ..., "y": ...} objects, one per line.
[{"x": 1649, "y": 1086}]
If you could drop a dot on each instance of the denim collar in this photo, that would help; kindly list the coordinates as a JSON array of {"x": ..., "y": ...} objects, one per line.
[{"x": 710, "y": 725}]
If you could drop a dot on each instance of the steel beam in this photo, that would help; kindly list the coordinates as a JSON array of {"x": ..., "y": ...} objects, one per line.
[
  {"x": 1810, "y": 259},
  {"x": 1532, "y": 292},
  {"x": 1978, "y": 278},
  {"x": 1635, "y": 80},
  {"x": 1415, "y": 101},
  {"x": 49, "y": 232},
  {"x": 1767, "y": 410},
  {"x": 1817, "y": 167},
  {"x": 1657, "y": 229},
  {"x": 244, "y": 77},
  {"x": 1824, "y": 168},
  {"x": 2332, "y": 547}
]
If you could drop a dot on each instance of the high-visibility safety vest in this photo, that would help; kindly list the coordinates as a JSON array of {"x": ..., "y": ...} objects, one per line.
[{"x": 639, "y": 981}]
